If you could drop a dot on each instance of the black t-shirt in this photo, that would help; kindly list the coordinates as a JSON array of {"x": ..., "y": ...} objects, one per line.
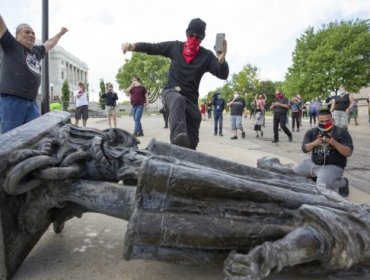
[
  {"x": 237, "y": 107},
  {"x": 185, "y": 75},
  {"x": 325, "y": 154},
  {"x": 20, "y": 72},
  {"x": 279, "y": 109},
  {"x": 110, "y": 98}
]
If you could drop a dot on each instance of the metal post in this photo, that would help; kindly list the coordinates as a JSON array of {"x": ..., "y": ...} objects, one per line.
[{"x": 45, "y": 61}]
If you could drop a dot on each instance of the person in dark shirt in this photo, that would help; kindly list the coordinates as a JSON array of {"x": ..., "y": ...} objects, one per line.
[
  {"x": 20, "y": 74},
  {"x": 280, "y": 108},
  {"x": 218, "y": 108},
  {"x": 189, "y": 62},
  {"x": 111, "y": 98},
  {"x": 341, "y": 105},
  {"x": 237, "y": 108},
  {"x": 330, "y": 146}
]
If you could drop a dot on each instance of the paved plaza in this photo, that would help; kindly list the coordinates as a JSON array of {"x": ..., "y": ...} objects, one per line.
[{"x": 92, "y": 247}]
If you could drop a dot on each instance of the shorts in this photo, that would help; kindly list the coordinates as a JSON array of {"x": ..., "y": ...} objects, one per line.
[
  {"x": 82, "y": 111},
  {"x": 110, "y": 110},
  {"x": 236, "y": 122}
]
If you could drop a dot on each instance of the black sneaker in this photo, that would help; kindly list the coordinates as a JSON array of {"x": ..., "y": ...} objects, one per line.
[
  {"x": 290, "y": 138},
  {"x": 139, "y": 134},
  {"x": 243, "y": 134},
  {"x": 344, "y": 191},
  {"x": 182, "y": 140},
  {"x": 234, "y": 137},
  {"x": 275, "y": 141},
  {"x": 221, "y": 134}
]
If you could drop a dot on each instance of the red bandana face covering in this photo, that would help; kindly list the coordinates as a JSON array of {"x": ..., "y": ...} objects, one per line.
[
  {"x": 326, "y": 127},
  {"x": 191, "y": 49}
]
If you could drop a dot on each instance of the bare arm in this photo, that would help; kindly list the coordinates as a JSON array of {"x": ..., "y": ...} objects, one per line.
[
  {"x": 342, "y": 149},
  {"x": 351, "y": 102},
  {"x": 332, "y": 105},
  {"x": 51, "y": 43},
  {"x": 3, "y": 27}
]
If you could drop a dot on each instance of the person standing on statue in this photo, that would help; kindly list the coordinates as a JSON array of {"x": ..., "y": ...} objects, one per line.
[
  {"x": 20, "y": 74},
  {"x": 189, "y": 62}
]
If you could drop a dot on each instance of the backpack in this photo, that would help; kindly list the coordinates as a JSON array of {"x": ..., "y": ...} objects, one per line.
[{"x": 312, "y": 109}]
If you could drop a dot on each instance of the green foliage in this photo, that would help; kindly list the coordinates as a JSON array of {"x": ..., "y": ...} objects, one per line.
[
  {"x": 152, "y": 71},
  {"x": 246, "y": 81},
  {"x": 55, "y": 106},
  {"x": 65, "y": 95},
  {"x": 337, "y": 54},
  {"x": 101, "y": 92}
]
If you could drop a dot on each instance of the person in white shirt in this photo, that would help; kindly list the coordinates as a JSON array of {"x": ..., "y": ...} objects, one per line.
[{"x": 82, "y": 108}]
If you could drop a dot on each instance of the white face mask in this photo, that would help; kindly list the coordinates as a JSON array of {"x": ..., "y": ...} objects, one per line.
[{"x": 342, "y": 92}]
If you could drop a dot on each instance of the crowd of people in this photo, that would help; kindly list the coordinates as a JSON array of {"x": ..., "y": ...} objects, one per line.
[{"x": 329, "y": 141}]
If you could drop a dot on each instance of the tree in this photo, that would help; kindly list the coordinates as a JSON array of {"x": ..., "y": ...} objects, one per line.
[
  {"x": 101, "y": 92},
  {"x": 337, "y": 54},
  {"x": 65, "y": 95},
  {"x": 152, "y": 71}
]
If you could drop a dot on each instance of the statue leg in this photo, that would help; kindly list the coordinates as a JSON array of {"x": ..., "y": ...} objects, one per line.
[{"x": 299, "y": 246}]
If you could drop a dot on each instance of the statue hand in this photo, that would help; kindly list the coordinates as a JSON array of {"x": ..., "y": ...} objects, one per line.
[{"x": 253, "y": 266}]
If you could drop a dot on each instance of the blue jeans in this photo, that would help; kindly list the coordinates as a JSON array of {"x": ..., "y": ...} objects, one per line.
[
  {"x": 218, "y": 119},
  {"x": 16, "y": 111},
  {"x": 137, "y": 112}
]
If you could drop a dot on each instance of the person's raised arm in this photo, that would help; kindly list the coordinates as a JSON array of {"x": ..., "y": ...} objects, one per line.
[
  {"x": 51, "y": 43},
  {"x": 3, "y": 27}
]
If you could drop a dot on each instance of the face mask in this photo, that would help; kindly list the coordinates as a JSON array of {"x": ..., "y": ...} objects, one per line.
[
  {"x": 325, "y": 127},
  {"x": 278, "y": 95},
  {"x": 236, "y": 95},
  {"x": 341, "y": 92},
  {"x": 191, "y": 48}
]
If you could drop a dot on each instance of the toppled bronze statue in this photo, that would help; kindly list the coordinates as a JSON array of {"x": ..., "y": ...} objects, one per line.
[{"x": 182, "y": 206}]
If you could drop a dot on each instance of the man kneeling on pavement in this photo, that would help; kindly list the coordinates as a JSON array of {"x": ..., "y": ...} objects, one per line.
[{"x": 330, "y": 146}]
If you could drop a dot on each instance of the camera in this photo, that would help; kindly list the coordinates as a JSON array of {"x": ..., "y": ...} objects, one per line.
[{"x": 325, "y": 135}]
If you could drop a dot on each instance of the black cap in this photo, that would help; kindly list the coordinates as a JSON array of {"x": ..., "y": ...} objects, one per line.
[{"x": 198, "y": 27}]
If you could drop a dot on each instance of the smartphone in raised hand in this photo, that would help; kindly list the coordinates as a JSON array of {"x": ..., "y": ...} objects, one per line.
[{"x": 220, "y": 37}]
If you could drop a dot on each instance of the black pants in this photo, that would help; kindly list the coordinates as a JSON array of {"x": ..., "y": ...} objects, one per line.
[
  {"x": 184, "y": 116},
  {"x": 296, "y": 119},
  {"x": 280, "y": 118}
]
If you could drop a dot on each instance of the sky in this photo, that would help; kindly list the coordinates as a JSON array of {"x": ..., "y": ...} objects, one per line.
[{"x": 262, "y": 33}]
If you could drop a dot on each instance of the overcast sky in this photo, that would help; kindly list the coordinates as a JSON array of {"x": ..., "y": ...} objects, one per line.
[{"x": 259, "y": 32}]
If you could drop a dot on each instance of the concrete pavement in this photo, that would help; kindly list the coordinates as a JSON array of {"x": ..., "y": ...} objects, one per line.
[{"x": 91, "y": 247}]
